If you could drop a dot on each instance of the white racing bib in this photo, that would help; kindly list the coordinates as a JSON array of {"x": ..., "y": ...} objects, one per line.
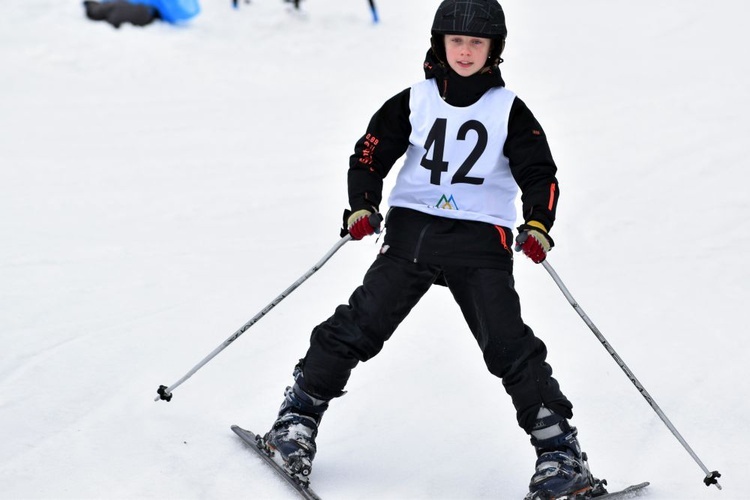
[{"x": 455, "y": 166}]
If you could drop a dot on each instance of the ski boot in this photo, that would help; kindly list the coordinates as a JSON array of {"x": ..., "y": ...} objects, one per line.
[
  {"x": 291, "y": 440},
  {"x": 562, "y": 472}
]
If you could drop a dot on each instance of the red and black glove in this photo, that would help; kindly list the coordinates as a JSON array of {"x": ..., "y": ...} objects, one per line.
[
  {"x": 361, "y": 223},
  {"x": 534, "y": 241}
]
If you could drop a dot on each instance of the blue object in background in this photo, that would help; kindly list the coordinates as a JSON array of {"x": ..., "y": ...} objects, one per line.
[{"x": 174, "y": 11}]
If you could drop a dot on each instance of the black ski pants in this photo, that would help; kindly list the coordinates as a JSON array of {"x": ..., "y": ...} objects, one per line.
[{"x": 490, "y": 305}]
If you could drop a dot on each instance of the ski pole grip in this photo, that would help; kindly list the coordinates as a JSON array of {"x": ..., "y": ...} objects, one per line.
[{"x": 375, "y": 220}]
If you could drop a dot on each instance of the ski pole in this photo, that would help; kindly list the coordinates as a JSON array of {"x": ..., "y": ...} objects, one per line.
[
  {"x": 711, "y": 477},
  {"x": 165, "y": 392},
  {"x": 374, "y": 10}
]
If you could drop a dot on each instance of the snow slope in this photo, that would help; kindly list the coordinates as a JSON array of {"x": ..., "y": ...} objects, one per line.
[{"x": 159, "y": 186}]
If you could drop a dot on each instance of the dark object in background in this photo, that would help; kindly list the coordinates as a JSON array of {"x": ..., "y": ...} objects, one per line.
[{"x": 120, "y": 11}]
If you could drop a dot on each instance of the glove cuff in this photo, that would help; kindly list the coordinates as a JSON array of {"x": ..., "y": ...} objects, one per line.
[
  {"x": 537, "y": 224},
  {"x": 355, "y": 216},
  {"x": 536, "y": 227}
]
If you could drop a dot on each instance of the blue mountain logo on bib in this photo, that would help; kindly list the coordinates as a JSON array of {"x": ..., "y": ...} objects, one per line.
[{"x": 447, "y": 203}]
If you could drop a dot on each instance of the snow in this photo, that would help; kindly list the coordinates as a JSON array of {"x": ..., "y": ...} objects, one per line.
[{"x": 159, "y": 186}]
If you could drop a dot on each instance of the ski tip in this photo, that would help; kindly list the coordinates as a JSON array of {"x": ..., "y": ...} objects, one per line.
[{"x": 245, "y": 434}]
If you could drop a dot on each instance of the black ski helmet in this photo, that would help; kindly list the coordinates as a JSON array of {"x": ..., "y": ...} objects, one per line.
[{"x": 480, "y": 18}]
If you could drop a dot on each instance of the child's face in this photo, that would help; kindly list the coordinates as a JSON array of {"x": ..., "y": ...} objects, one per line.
[{"x": 466, "y": 54}]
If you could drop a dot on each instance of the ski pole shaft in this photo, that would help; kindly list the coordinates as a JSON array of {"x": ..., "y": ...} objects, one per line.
[
  {"x": 165, "y": 393},
  {"x": 374, "y": 10},
  {"x": 711, "y": 477}
]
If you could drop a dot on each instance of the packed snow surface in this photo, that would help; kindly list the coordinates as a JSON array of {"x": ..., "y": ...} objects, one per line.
[{"x": 159, "y": 186}]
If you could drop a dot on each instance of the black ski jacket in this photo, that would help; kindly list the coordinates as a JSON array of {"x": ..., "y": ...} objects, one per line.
[{"x": 438, "y": 240}]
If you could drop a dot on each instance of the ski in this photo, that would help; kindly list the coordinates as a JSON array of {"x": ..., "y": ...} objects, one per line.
[
  {"x": 253, "y": 441},
  {"x": 304, "y": 490},
  {"x": 629, "y": 492},
  {"x": 598, "y": 492}
]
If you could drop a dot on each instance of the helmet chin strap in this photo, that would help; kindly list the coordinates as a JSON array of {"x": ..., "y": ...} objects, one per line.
[
  {"x": 438, "y": 48},
  {"x": 495, "y": 59}
]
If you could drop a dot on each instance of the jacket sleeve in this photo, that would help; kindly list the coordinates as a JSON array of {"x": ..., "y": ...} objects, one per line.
[
  {"x": 386, "y": 140},
  {"x": 532, "y": 165}
]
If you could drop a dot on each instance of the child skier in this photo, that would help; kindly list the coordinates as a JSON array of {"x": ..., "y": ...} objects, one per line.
[{"x": 470, "y": 144}]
